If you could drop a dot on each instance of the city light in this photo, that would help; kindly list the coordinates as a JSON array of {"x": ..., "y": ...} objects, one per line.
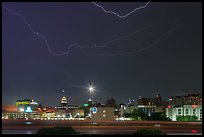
[
  {"x": 194, "y": 131},
  {"x": 28, "y": 109},
  {"x": 91, "y": 88},
  {"x": 194, "y": 106},
  {"x": 21, "y": 109},
  {"x": 127, "y": 68}
]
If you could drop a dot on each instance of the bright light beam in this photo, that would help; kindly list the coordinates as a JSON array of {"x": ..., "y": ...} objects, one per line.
[{"x": 120, "y": 16}]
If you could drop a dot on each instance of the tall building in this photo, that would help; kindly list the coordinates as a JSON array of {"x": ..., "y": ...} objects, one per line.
[
  {"x": 186, "y": 110},
  {"x": 193, "y": 99},
  {"x": 158, "y": 100},
  {"x": 150, "y": 105},
  {"x": 190, "y": 99},
  {"x": 64, "y": 100},
  {"x": 145, "y": 101},
  {"x": 187, "y": 105}
]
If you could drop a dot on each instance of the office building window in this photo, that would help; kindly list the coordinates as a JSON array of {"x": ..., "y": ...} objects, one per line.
[
  {"x": 179, "y": 111},
  {"x": 194, "y": 111},
  {"x": 187, "y": 112}
]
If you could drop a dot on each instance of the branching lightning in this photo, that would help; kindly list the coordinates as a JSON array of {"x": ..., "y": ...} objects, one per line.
[
  {"x": 106, "y": 44},
  {"x": 120, "y": 16},
  {"x": 36, "y": 33}
]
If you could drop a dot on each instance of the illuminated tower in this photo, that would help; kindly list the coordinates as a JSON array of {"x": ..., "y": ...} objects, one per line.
[{"x": 64, "y": 100}]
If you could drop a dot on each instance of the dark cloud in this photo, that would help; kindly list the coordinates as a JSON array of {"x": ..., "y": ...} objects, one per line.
[{"x": 171, "y": 64}]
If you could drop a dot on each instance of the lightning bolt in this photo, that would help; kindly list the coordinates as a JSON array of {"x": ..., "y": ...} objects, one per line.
[
  {"x": 116, "y": 14},
  {"x": 90, "y": 47},
  {"x": 136, "y": 51},
  {"x": 36, "y": 33}
]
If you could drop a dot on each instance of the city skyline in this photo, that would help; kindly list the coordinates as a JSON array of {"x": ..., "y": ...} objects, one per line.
[
  {"x": 154, "y": 50},
  {"x": 126, "y": 102}
]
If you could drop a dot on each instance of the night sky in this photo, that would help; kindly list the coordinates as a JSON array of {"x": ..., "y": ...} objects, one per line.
[{"x": 156, "y": 49}]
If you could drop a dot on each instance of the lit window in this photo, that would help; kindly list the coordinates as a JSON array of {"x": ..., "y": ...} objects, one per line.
[
  {"x": 104, "y": 115},
  {"x": 104, "y": 111},
  {"x": 21, "y": 109}
]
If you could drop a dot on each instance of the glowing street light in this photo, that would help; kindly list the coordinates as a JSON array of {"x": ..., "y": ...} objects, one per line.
[{"x": 91, "y": 90}]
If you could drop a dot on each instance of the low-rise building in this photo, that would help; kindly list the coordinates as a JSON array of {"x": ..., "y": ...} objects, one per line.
[
  {"x": 103, "y": 113},
  {"x": 186, "y": 110},
  {"x": 147, "y": 109},
  {"x": 26, "y": 105},
  {"x": 78, "y": 113}
]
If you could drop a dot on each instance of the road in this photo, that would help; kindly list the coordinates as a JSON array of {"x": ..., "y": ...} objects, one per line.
[{"x": 102, "y": 127}]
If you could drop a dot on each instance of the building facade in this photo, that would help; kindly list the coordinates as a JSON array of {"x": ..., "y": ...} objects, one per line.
[
  {"x": 147, "y": 109},
  {"x": 103, "y": 113},
  {"x": 64, "y": 102},
  {"x": 186, "y": 110},
  {"x": 145, "y": 101},
  {"x": 190, "y": 99},
  {"x": 26, "y": 105}
]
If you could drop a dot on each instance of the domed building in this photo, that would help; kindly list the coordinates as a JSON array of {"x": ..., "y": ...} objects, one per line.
[{"x": 64, "y": 100}]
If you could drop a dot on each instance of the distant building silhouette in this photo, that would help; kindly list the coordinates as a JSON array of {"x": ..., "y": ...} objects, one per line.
[{"x": 64, "y": 102}]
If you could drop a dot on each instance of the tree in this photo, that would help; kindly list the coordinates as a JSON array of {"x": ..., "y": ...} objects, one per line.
[
  {"x": 187, "y": 118},
  {"x": 138, "y": 114},
  {"x": 127, "y": 115},
  {"x": 145, "y": 131},
  {"x": 86, "y": 110},
  {"x": 111, "y": 103},
  {"x": 180, "y": 118},
  {"x": 194, "y": 118},
  {"x": 159, "y": 116}
]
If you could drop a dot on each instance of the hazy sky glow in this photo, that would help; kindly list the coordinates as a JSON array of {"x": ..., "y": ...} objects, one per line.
[{"x": 156, "y": 49}]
